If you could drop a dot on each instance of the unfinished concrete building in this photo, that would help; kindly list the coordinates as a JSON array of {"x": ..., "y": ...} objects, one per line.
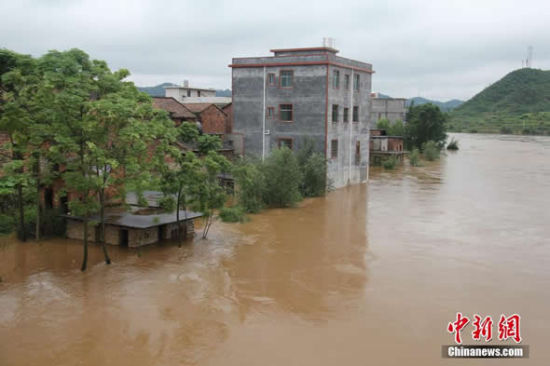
[
  {"x": 187, "y": 94},
  {"x": 304, "y": 93},
  {"x": 392, "y": 109}
]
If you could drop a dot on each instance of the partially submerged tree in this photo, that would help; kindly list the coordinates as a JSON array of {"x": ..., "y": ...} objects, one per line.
[
  {"x": 16, "y": 74},
  {"x": 208, "y": 195},
  {"x": 313, "y": 166},
  {"x": 249, "y": 185},
  {"x": 283, "y": 177},
  {"x": 193, "y": 180},
  {"x": 425, "y": 123}
]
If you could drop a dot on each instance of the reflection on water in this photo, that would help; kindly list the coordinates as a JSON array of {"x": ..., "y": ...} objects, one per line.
[{"x": 370, "y": 274}]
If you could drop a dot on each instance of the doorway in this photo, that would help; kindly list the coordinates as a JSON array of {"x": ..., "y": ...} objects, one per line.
[{"x": 123, "y": 237}]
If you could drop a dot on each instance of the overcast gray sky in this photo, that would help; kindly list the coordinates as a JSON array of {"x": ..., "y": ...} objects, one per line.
[{"x": 437, "y": 49}]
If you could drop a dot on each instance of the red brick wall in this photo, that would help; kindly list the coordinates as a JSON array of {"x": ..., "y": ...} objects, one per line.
[
  {"x": 213, "y": 120},
  {"x": 229, "y": 112},
  {"x": 395, "y": 144}
]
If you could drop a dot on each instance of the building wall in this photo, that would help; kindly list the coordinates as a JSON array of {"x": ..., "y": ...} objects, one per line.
[
  {"x": 75, "y": 230},
  {"x": 228, "y": 110},
  {"x": 181, "y": 93},
  {"x": 112, "y": 235},
  {"x": 395, "y": 144},
  {"x": 389, "y": 108},
  {"x": 386, "y": 143},
  {"x": 345, "y": 168},
  {"x": 213, "y": 120},
  {"x": 136, "y": 237},
  {"x": 140, "y": 237},
  {"x": 307, "y": 96},
  {"x": 169, "y": 229}
]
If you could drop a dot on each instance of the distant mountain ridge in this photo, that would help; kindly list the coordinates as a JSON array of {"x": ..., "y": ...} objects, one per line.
[
  {"x": 517, "y": 103},
  {"x": 158, "y": 90},
  {"x": 444, "y": 106}
]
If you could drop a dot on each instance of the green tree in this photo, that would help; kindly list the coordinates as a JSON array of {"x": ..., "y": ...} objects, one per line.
[
  {"x": 313, "y": 166},
  {"x": 77, "y": 85},
  {"x": 283, "y": 177},
  {"x": 208, "y": 195},
  {"x": 181, "y": 179},
  {"x": 425, "y": 123},
  {"x": 250, "y": 185},
  {"x": 397, "y": 128},
  {"x": 192, "y": 179},
  {"x": 383, "y": 124},
  {"x": 126, "y": 125},
  {"x": 16, "y": 73}
]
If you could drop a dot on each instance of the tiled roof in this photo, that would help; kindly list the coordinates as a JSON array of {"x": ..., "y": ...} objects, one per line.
[
  {"x": 197, "y": 107},
  {"x": 175, "y": 108}
]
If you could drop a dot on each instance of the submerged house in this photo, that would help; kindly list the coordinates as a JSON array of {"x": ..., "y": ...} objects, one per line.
[
  {"x": 383, "y": 147},
  {"x": 134, "y": 230},
  {"x": 141, "y": 226}
]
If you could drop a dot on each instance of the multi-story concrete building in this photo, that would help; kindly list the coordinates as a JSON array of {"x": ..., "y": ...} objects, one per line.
[
  {"x": 392, "y": 109},
  {"x": 305, "y": 93}
]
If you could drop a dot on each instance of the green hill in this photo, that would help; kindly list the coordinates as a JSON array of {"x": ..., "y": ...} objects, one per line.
[{"x": 517, "y": 103}]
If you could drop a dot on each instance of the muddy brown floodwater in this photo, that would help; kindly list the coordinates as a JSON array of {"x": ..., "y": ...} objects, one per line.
[{"x": 369, "y": 275}]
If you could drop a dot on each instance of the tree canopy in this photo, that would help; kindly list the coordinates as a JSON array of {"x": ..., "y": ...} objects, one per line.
[{"x": 425, "y": 123}]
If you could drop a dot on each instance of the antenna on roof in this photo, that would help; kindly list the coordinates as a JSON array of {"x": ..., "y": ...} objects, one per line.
[{"x": 329, "y": 42}]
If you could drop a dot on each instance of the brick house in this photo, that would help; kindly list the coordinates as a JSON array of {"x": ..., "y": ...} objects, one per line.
[
  {"x": 213, "y": 120},
  {"x": 228, "y": 110},
  {"x": 178, "y": 112},
  {"x": 383, "y": 147}
]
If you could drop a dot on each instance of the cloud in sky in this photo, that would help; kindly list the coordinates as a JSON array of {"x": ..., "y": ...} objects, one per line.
[{"x": 441, "y": 50}]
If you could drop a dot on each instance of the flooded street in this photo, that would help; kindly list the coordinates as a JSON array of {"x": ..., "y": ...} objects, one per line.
[{"x": 369, "y": 275}]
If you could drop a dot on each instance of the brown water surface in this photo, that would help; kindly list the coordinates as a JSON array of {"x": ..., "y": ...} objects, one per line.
[{"x": 369, "y": 275}]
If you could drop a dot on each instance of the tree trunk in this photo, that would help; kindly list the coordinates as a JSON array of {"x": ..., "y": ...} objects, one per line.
[
  {"x": 178, "y": 215},
  {"x": 21, "y": 212},
  {"x": 37, "y": 228},
  {"x": 16, "y": 155},
  {"x": 85, "y": 258},
  {"x": 207, "y": 225},
  {"x": 102, "y": 225},
  {"x": 185, "y": 218}
]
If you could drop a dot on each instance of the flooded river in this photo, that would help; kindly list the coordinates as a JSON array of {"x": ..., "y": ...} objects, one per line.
[{"x": 369, "y": 275}]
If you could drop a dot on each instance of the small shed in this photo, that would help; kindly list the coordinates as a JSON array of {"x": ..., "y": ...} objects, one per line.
[
  {"x": 134, "y": 230},
  {"x": 382, "y": 147}
]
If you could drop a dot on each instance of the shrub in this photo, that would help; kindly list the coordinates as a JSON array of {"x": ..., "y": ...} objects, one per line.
[
  {"x": 282, "y": 178},
  {"x": 397, "y": 129},
  {"x": 232, "y": 214},
  {"x": 430, "y": 150},
  {"x": 453, "y": 144},
  {"x": 7, "y": 224},
  {"x": 390, "y": 163},
  {"x": 414, "y": 157},
  {"x": 314, "y": 169},
  {"x": 250, "y": 182},
  {"x": 314, "y": 182}
]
